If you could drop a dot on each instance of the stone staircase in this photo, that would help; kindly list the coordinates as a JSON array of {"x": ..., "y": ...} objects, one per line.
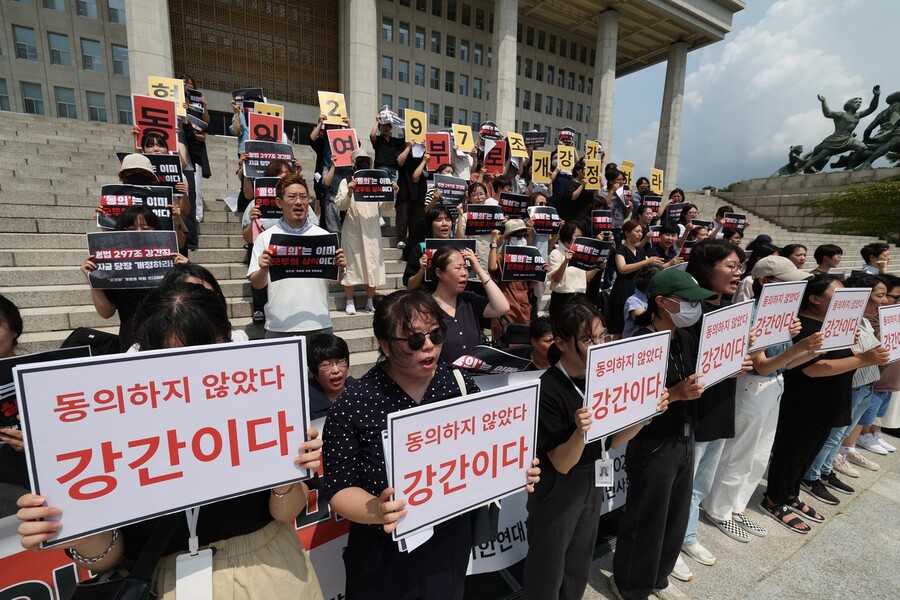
[{"x": 51, "y": 171}]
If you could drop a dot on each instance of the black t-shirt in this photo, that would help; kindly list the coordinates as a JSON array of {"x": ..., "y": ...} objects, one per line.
[
  {"x": 829, "y": 395},
  {"x": 570, "y": 209},
  {"x": 715, "y": 408},
  {"x": 681, "y": 363},
  {"x": 126, "y": 302},
  {"x": 659, "y": 251},
  {"x": 412, "y": 267},
  {"x": 387, "y": 151},
  {"x": 464, "y": 328}
]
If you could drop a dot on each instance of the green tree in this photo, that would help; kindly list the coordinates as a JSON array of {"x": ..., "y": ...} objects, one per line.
[{"x": 873, "y": 210}]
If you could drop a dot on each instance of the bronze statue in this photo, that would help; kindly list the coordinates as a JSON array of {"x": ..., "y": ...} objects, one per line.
[
  {"x": 843, "y": 138},
  {"x": 795, "y": 161},
  {"x": 887, "y": 140}
]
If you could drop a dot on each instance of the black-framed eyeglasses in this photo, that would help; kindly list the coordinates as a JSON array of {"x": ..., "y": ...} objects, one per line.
[{"x": 417, "y": 340}]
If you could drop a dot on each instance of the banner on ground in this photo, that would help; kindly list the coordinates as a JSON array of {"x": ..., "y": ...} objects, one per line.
[
  {"x": 372, "y": 185},
  {"x": 453, "y": 189},
  {"x": 778, "y": 305},
  {"x": 482, "y": 219},
  {"x": 544, "y": 219},
  {"x": 157, "y": 116},
  {"x": 724, "y": 337},
  {"x": 116, "y": 197},
  {"x": 303, "y": 256},
  {"x": 260, "y": 154},
  {"x": 842, "y": 318},
  {"x": 264, "y": 197},
  {"x": 522, "y": 263},
  {"x": 588, "y": 253}
]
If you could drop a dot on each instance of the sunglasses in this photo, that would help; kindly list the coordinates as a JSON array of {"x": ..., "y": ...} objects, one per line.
[{"x": 417, "y": 340}]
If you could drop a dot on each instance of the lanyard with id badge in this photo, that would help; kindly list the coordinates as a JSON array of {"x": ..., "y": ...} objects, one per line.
[
  {"x": 193, "y": 569},
  {"x": 604, "y": 473}
]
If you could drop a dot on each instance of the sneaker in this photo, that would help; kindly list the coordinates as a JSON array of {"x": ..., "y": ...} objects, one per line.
[
  {"x": 401, "y": 245},
  {"x": 748, "y": 525},
  {"x": 856, "y": 458},
  {"x": 682, "y": 571},
  {"x": 831, "y": 480},
  {"x": 699, "y": 553},
  {"x": 869, "y": 441},
  {"x": 730, "y": 528},
  {"x": 259, "y": 317},
  {"x": 884, "y": 444},
  {"x": 670, "y": 592},
  {"x": 351, "y": 308},
  {"x": 817, "y": 490},
  {"x": 841, "y": 465},
  {"x": 369, "y": 308},
  {"x": 381, "y": 221}
]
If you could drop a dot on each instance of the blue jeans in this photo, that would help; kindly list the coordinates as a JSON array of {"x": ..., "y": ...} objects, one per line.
[
  {"x": 821, "y": 465},
  {"x": 877, "y": 408},
  {"x": 706, "y": 461}
]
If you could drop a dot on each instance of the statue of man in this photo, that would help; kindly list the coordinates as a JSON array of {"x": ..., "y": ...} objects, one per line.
[
  {"x": 842, "y": 139},
  {"x": 795, "y": 161}
]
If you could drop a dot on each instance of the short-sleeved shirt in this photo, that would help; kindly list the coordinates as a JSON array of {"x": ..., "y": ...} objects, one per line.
[
  {"x": 680, "y": 417},
  {"x": 387, "y": 151},
  {"x": 464, "y": 328},
  {"x": 636, "y": 301},
  {"x": 556, "y": 418},
  {"x": 570, "y": 209},
  {"x": 658, "y": 250}
]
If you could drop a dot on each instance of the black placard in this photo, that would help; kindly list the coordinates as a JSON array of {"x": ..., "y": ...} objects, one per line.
[
  {"x": 260, "y": 154},
  {"x": 130, "y": 259},
  {"x": 432, "y": 245},
  {"x": 522, "y": 263},
  {"x": 588, "y": 253},
  {"x": 685, "y": 252},
  {"x": 303, "y": 256},
  {"x": 482, "y": 219},
  {"x": 735, "y": 221},
  {"x": 515, "y": 206},
  {"x": 535, "y": 139},
  {"x": 487, "y": 360},
  {"x": 194, "y": 99},
  {"x": 453, "y": 189},
  {"x": 247, "y": 94},
  {"x": 673, "y": 211},
  {"x": 698, "y": 223},
  {"x": 544, "y": 219},
  {"x": 197, "y": 123},
  {"x": 601, "y": 222},
  {"x": 264, "y": 197},
  {"x": 372, "y": 185},
  {"x": 653, "y": 201},
  {"x": 166, "y": 166},
  {"x": 116, "y": 197}
]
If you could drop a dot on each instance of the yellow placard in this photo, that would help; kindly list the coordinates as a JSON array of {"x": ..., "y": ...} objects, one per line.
[
  {"x": 540, "y": 167},
  {"x": 565, "y": 156},
  {"x": 592, "y": 178},
  {"x": 592, "y": 150},
  {"x": 627, "y": 167},
  {"x": 168, "y": 87},
  {"x": 656, "y": 181},
  {"x": 415, "y": 126},
  {"x": 516, "y": 144},
  {"x": 271, "y": 110},
  {"x": 462, "y": 137},
  {"x": 333, "y": 106}
]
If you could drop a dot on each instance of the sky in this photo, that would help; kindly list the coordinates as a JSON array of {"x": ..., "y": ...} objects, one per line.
[{"x": 750, "y": 97}]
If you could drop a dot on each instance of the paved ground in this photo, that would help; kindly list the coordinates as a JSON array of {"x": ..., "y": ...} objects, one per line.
[{"x": 854, "y": 554}]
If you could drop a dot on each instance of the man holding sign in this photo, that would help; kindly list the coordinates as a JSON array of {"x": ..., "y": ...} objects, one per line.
[{"x": 296, "y": 306}]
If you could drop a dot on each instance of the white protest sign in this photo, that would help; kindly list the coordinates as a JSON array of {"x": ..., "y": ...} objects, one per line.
[
  {"x": 616, "y": 495},
  {"x": 889, "y": 323},
  {"x": 844, "y": 312},
  {"x": 724, "y": 336},
  {"x": 777, "y": 308},
  {"x": 511, "y": 544},
  {"x": 453, "y": 456},
  {"x": 625, "y": 380},
  {"x": 118, "y": 439}
]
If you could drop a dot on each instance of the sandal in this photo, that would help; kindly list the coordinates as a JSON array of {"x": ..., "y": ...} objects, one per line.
[
  {"x": 779, "y": 511},
  {"x": 806, "y": 511}
]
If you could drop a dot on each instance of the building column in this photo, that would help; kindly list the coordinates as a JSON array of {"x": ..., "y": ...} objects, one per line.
[
  {"x": 506, "y": 19},
  {"x": 149, "y": 42},
  {"x": 359, "y": 74},
  {"x": 605, "y": 75},
  {"x": 669, "y": 141}
]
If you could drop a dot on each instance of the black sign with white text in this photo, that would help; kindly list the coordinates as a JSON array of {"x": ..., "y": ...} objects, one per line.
[
  {"x": 116, "y": 197},
  {"x": 522, "y": 263},
  {"x": 130, "y": 259},
  {"x": 260, "y": 154},
  {"x": 303, "y": 256},
  {"x": 372, "y": 185},
  {"x": 482, "y": 219},
  {"x": 588, "y": 253}
]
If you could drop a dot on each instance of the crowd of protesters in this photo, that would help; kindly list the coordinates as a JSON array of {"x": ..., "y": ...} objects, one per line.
[{"x": 805, "y": 414}]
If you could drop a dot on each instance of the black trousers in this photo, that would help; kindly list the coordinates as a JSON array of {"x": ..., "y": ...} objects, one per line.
[
  {"x": 563, "y": 517},
  {"x": 557, "y": 299},
  {"x": 192, "y": 237},
  {"x": 377, "y": 570},
  {"x": 660, "y": 478}
]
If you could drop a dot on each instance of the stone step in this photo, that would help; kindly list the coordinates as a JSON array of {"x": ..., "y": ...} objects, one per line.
[{"x": 213, "y": 213}]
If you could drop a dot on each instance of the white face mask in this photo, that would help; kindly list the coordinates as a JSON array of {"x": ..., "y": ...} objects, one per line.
[
  {"x": 517, "y": 241},
  {"x": 688, "y": 314}
]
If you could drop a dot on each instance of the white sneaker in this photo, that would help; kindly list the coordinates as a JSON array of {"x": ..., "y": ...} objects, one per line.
[
  {"x": 884, "y": 444},
  {"x": 670, "y": 593},
  {"x": 401, "y": 245},
  {"x": 381, "y": 221},
  {"x": 351, "y": 308},
  {"x": 856, "y": 458},
  {"x": 841, "y": 465},
  {"x": 699, "y": 553},
  {"x": 682, "y": 571},
  {"x": 868, "y": 441}
]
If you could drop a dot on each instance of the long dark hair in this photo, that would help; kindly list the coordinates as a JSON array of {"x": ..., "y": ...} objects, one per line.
[
  {"x": 816, "y": 287},
  {"x": 130, "y": 215},
  {"x": 9, "y": 313},
  {"x": 186, "y": 313},
  {"x": 570, "y": 321},
  {"x": 706, "y": 255}
]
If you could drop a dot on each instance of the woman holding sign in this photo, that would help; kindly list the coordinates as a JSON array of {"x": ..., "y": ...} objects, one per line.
[
  {"x": 564, "y": 511},
  {"x": 629, "y": 257},
  {"x": 440, "y": 225},
  {"x": 566, "y": 281}
]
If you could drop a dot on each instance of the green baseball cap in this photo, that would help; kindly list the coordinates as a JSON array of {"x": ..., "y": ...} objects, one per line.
[{"x": 675, "y": 282}]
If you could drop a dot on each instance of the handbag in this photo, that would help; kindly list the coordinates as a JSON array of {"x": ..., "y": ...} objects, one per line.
[{"x": 134, "y": 585}]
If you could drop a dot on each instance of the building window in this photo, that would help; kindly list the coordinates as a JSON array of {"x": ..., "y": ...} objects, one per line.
[
  {"x": 538, "y": 101},
  {"x": 476, "y": 87},
  {"x": 120, "y": 60},
  {"x": 517, "y": 98},
  {"x": 590, "y": 86},
  {"x": 60, "y": 54},
  {"x": 116, "y": 11},
  {"x": 579, "y": 112},
  {"x": 525, "y": 125},
  {"x": 491, "y": 23},
  {"x": 86, "y": 8},
  {"x": 387, "y": 29},
  {"x": 434, "y": 78},
  {"x": 584, "y": 55},
  {"x": 487, "y": 90},
  {"x": 387, "y": 100},
  {"x": 26, "y": 47},
  {"x": 4, "y": 95},
  {"x": 65, "y": 103},
  {"x": 451, "y": 46},
  {"x": 519, "y": 32},
  {"x": 587, "y": 113},
  {"x": 32, "y": 98},
  {"x": 387, "y": 67},
  {"x": 542, "y": 40},
  {"x": 573, "y": 51},
  {"x": 448, "y": 116},
  {"x": 529, "y": 68},
  {"x": 561, "y": 78},
  {"x": 539, "y": 72},
  {"x": 436, "y": 7},
  {"x": 479, "y": 54},
  {"x": 569, "y": 110},
  {"x": 403, "y": 71},
  {"x": 96, "y": 106},
  {"x": 551, "y": 72},
  {"x": 518, "y": 65},
  {"x": 463, "y": 86},
  {"x": 581, "y": 84},
  {"x": 593, "y": 57},
  {"x": 436, "y": 42},
  {"x": 91, "y": 57},
  {"x": 403, "y": 33},
  {"x": 54, "y": 4},
  {"x": 404, "y": 2},
  {"x": 548, "y": 107},
  {"x": 402, "y": 104},
  {"x": 466, "y": 14},
  {"x": 476, "y": 119},
  {"x": 422, "y": 5},
  {"x": 571, "y": 80},
  {"x": 479, "y": 19},
  {"x": 449, "y": 82},
  {"x": 490, "y": 57},
  {"x": 433, "y": 113},
  {"x": 464, "y": 50},
  {"x": 526, "y": 100},
  {"x": 419, "y": 106},
  {"x": 451, "y": 10},
  {"x": 529, "y": 36},
  {"x": 123, "y": 107},
  {"x": 562, "y": 47},
  {"x": 420, "y": 38},
  {"x": 559, "y": 107},
  {"x": 463, "y": 116},
  {"x": 552, "y": 48},
  {"x": 419, "y": 77}
]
